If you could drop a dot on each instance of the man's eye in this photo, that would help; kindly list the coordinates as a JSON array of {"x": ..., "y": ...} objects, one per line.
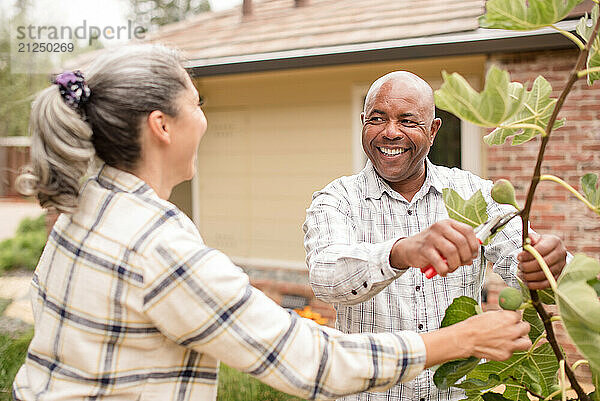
[
  {"x": 200, "y": 101},
  {"x": 409, "y": 123},
  {"x": 376, "y": 120}
]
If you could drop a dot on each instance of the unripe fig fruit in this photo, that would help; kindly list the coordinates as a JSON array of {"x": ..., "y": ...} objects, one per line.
[
  {"x": 510, "y": 298},
  {"x": 536, "y": 388},
  {"x": 503, "y": 192}
]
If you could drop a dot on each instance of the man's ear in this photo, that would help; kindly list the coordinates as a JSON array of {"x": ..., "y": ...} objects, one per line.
[
  {"x": 362, "y": 118},
  {"x": 158, "y": 127},
  {"x": 435, "y": 127}
]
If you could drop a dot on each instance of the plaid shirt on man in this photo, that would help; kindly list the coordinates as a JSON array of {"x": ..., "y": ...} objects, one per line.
[
  {"x": 350, "y": 228},
  {"x": 129, "y": 304}
]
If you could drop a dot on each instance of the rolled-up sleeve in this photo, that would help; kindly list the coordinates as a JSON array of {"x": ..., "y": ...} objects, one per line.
[
  {"x": 199, "y": 299},
  {"x": 343, "y": 270}
]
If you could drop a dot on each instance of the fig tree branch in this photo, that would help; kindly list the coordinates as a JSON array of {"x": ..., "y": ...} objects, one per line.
[
  {"x": 535, "y": 179},
  {"x": 548, "y": 177}
]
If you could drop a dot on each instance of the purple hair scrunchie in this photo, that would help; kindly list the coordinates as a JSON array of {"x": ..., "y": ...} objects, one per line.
[{"x": 73, "y": 88}]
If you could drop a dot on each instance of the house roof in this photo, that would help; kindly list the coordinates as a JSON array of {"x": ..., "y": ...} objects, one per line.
[
  {"x": 279, "y": 35},
  {"x": 277, "y": 25}
]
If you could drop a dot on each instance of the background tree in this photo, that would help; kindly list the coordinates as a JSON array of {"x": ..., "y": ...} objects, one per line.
[
  {"x": 151, "y": 14},
  {"x": 16, "y": 88}
]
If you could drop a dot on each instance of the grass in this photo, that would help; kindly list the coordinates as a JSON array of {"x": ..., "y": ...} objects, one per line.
[
  {"x": 12, "y": 355},
  {"x": 4, "y": 304},
  {"x": 238, "y": 386}
]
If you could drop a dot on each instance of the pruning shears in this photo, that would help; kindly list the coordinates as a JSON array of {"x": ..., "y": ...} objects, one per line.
[{"x": 482, "y": 232}]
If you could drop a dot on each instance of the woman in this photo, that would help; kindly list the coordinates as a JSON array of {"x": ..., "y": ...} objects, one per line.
[{"x": 128, "y": 301}]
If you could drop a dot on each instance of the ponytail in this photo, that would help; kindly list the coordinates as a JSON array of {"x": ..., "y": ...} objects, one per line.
[
  {"x": 61, "y": 152},
  {"x": 120, "y": 89}
]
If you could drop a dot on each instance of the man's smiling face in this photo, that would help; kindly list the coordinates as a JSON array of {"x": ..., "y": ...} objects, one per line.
[{"x": 399, "y": 127}]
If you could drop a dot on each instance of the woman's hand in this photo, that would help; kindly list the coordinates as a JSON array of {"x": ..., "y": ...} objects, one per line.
[{"x": 492, "y": 335}]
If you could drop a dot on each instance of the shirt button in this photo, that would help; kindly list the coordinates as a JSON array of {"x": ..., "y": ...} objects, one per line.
[
  {"x": 418, "y": 287},
  {"x": 365, "y": 284},
  {"x": 409, "y": 212},
  {"x": 354, "y": 292},
  {"x": 420, "y": 327},
  {"x": 422, "y": 399}
]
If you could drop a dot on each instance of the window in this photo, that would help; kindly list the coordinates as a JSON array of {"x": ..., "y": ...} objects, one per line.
[{"x": 447, "y": 145}]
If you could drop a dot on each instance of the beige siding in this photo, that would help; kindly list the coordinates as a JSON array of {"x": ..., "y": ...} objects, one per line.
[{"x": 273, "y": 139}]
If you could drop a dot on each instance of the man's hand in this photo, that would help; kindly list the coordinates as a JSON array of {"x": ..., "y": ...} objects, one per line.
[
  {"x": 449, "y": 239},
  {"x": 554, "y": 253}
]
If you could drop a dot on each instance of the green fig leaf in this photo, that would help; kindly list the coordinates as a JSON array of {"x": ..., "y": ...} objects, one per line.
[
  {"x": 536, "y": 110},
  {"x": 595, "y": 396},
  {"x": 541, "y": 360},
  {"x": 536, "y": 325},
  {"x": 476, "y": 384},
  {"x": 585, "y": 30},
  {"x": 473, "y": 396},
  {"x": 499, "y": 100},
  {"x": 579, "y": 306},
  {"x": 523, "y": 15},
  {"x": 546, "y": 295},
  {"x": 460, "y": 309},
  {"x": 491, "y": 396},
  {"x": 595, "y": 284},
  {"x": 449, "y": 373},
  {"x": 591, "y": 189},
  {"x": 524, "y": 373},
  {"x": 472, "y": 211}
]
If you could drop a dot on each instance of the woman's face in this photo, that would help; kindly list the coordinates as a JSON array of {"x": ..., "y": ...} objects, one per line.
[{"x": 188, "y": 128}]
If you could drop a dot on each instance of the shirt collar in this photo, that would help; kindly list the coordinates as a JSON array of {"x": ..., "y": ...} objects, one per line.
[
  {"x": 121, "y": 181},
  {"x": 376, "y": 186}
]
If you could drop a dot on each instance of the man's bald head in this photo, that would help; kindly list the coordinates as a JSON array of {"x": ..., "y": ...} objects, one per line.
[{"x": 402, "y": 78}]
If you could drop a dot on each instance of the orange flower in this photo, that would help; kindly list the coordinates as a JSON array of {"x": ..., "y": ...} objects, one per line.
[{"x": 309, "y": 314}]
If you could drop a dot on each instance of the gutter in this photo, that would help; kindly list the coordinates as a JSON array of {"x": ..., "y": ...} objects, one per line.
[{"x": 479, "y": 41}]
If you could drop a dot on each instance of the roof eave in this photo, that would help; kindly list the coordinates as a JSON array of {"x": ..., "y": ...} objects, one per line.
[{"x": 479, "y": 41}]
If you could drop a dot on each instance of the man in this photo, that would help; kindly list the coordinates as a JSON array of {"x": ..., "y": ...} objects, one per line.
[{"x": 365, "y": 234}]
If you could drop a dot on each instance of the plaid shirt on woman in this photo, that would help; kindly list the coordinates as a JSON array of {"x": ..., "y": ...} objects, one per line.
[
  {"x": 129, "y": 304},
  {"x": 350, "y": 228}
]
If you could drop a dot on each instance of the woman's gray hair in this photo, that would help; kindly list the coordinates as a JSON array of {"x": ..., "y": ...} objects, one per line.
[{"x": 126, "y": 85}]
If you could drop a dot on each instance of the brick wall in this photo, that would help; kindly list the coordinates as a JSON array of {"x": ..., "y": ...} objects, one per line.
[
  {"x": 572, "y": 151},
  {"x": 278, "y": 283}
]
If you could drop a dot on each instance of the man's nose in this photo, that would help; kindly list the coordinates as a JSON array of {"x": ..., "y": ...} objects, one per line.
[{"x": 392, "y": 131}]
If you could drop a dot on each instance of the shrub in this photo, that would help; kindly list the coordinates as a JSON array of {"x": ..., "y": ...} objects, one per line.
[{"x": 25, "y": 248}]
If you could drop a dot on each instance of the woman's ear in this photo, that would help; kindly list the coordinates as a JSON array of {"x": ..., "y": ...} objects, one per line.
[{"x": 157, "y": 127}]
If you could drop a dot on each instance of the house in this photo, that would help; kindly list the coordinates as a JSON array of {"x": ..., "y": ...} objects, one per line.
[{"x": 284, "y": 83}]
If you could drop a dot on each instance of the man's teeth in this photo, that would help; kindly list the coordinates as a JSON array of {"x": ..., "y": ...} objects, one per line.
[{"x": 392, "y": 152}]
